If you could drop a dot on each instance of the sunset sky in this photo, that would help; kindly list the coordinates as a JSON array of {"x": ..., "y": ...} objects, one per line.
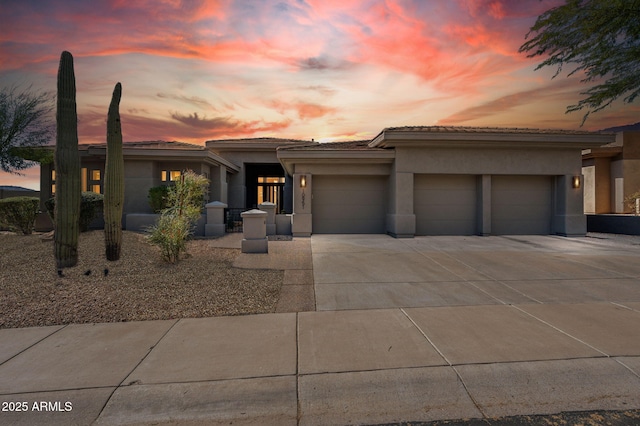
[{"x": 325, "y": 69}]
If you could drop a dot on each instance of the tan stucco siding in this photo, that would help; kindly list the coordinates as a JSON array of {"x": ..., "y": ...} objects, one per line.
[{"x": 494, "y": 161}]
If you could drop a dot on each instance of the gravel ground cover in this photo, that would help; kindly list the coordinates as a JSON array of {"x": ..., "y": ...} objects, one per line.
[{"x": 139, "y": 286}]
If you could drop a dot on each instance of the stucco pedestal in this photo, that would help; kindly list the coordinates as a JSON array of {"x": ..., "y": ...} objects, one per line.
[
  {"x": 270, "y": 208},
  {"x": 215, "y": 219},
  {"x": 254, "y": 225}
]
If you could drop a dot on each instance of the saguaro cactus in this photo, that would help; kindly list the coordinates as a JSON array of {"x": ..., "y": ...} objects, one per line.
[
  {"x": 67, "y": 166},
  {"x": 114, "y": 179}
]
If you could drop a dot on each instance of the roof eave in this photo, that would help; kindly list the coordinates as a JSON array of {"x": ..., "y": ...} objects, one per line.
[
  {"x": 290, "y": 157},
  {"x": 391, "y": 138}
]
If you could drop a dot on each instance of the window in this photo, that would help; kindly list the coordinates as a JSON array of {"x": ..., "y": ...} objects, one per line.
[
  {"x": 263, "y": 179},
  {"x": 170, "y": 175},
  {"x": 83, "y": 179},
  {"x": 95, "y": 183},
  {"x": 270, "y": 189}
]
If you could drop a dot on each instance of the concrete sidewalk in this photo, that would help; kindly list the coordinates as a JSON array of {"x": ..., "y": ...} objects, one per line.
[{"x": 493, "y": 327}]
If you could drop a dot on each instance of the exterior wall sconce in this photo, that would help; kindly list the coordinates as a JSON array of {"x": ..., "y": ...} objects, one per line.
[
  {"x": 303, "y": 185},
  {"x": 575, "y": 182}
]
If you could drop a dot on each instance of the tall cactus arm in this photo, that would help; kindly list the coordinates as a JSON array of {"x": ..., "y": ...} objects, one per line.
[
  {"x": 67, "y": 166},
  {"x": 114, "y": 180}
]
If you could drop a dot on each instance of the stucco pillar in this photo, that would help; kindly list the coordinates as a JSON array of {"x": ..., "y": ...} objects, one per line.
[
  {"x": 401, "y": 222},
  {"x": 484, "y": 205},
  {"x": 270, "y": 209},
  {"x": 218, "y": 185},
  {"x": 301, "y": 220},
  {"x": 254, "y": 228},
  {"x": 569, "y": 219},
  {"x": 215, "y": 219}
]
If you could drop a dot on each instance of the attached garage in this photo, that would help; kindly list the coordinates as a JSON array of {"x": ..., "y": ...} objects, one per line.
[
  {"x": 445, "y": 204},
  {"x": 349, "y": 204},
  {"x": 521, "y": 205}
]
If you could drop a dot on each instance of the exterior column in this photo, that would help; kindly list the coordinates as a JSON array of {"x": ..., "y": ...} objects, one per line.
[
  {"x": 484, "y": 205},
  {"x": 301, "y": 220},
  {"x": 569, "y": 219},
  {"x": 401, "y": 222}
]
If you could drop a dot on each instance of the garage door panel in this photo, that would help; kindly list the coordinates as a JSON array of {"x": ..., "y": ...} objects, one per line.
[
  {"x": 349, "y": 204},
  {"x": 520, "y": 205},
  {"x": 445, "y": 204}
]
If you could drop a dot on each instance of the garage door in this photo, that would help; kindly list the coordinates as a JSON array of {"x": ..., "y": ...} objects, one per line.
[
  {"x": 349, "y": 204},
  {"x": 445, "y": 204},
  {"x": 520, "y": 205}
]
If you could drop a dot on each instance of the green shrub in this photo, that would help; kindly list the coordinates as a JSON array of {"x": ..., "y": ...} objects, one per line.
[
  {"x": 170, "y": 233},
  {"x": 19, "y": 213},
  {"x": 158, "y": 198},
  {"x": 91, "y": 204},
  {"x": 175, "y": 223},
  {"x": 630, "y": 201}
]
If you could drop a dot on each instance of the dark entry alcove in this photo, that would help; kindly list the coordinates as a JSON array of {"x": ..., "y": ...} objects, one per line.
[{"x": 265, "y": 183}]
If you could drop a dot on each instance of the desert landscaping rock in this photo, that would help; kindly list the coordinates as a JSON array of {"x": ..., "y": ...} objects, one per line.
[{"x": 140, "y": 286}]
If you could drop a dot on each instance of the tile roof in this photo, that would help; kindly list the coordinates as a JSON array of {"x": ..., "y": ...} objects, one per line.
[
  {"x": 466, "y": 129},
  {"x": 337, "y": 146},
  {"x": 259, "y": 140},
  {"x": 149, "y": 145}
]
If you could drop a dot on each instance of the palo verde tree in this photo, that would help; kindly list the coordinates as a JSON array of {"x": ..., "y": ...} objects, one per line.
[
  {"x": 67, "y": 166},
  {"x": 600, "y": 39},
  {"x": 26, "y": 124},
  {"x": 114, "y": 179}
]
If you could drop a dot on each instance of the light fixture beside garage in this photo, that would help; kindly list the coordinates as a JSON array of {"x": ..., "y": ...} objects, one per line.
[
  {"x": 303, "y": 181},
  {"x": 575, "y": 183}
]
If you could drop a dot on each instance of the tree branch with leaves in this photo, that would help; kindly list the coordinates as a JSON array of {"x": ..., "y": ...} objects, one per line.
[
  {"x": 26, "y": 124},
  {"x": 600, "y": 40}
]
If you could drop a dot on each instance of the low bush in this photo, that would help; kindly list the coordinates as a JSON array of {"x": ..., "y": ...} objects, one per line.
[
  {"x": 184, "y": 205},
  {"x": 91, "y": 204},
  {"x": 170, "y": 233},
  {"x": 630, "y": 201},
  {"x": 158, "y": 198},
  {"x": 18, "y": 214}
]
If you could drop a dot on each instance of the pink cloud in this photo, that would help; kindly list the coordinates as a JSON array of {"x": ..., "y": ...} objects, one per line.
[{"x": 305, "y": 110}]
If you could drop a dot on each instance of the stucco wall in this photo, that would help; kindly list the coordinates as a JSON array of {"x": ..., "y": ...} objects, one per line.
[
  {"x": 493, "y": 161},
  {"x": 139, "y": 176}
]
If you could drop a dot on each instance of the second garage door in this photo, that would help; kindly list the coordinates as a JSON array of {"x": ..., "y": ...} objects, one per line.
[
  {"x": 349, "y": 204},
  {"x": 445, "y": 204},
  {"x": 520, "y": 205}
]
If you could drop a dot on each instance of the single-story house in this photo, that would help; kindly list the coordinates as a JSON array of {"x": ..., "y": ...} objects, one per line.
[
  {"x": 406, "y": 181},
  {"x": 611, "y": 174}
]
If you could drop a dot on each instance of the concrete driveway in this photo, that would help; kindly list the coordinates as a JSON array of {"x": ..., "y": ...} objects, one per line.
[{"x": 378, "y": 271}]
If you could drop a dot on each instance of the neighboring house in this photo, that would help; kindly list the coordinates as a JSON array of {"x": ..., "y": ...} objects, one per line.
[
  {"x": 406, "y": 181},
  {"x": 611, "y": 174}
]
